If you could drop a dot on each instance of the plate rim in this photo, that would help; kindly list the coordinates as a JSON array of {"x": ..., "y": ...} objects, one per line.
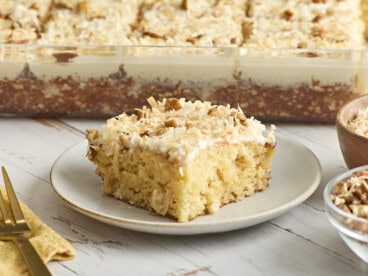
[{"x": 192, "y": 228}]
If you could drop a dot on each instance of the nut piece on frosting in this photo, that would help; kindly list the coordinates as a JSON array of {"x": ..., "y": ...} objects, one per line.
[{"x": 182, "y": 159}]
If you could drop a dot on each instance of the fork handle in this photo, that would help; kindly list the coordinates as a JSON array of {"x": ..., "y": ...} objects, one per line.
[{"x": 34, "y": 262}]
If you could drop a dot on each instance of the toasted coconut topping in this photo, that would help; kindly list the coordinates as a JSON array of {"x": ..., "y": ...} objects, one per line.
[{"x": 180, "y": 129}]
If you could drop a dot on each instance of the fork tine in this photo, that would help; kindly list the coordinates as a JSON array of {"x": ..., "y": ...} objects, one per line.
[
  {"x": 3, "y": 210},
  {"x": 14, "y": 204}
]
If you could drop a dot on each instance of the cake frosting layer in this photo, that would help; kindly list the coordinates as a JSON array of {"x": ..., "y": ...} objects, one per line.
[{"x": 181, "y": 129}]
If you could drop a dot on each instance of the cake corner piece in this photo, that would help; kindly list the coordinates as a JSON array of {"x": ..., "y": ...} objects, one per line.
[{"x": 182, "y": 159}]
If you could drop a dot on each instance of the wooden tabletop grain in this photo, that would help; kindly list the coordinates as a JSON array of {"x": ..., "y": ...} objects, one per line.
[{"x": 300, "y": 242}]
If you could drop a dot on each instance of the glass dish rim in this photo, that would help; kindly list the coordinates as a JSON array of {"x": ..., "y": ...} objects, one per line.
[{"x": 186, "y": 47}]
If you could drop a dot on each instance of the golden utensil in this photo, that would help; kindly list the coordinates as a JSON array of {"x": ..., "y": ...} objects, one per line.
[{"x": 15, "y": 228}]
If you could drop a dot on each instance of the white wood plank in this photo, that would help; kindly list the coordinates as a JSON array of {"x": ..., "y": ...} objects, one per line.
[{"x": 34, "y": 144}]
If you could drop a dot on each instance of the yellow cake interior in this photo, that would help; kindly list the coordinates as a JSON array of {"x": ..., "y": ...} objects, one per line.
[{"x": 216, "y": 177}]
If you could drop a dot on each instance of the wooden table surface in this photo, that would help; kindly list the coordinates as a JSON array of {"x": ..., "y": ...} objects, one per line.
[{"x": 300, "y": 242}]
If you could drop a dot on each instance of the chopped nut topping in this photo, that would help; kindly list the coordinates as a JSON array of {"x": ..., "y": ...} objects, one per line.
[
  {"x": 171, "y": 123},
  {"x": 352, "y": 195},
  {"x": 172, "y": 104},
  {"x": 256, "y": 23},
  {"x": 247, "y": 30},
  {"x": 287, "y": 15},
  {"x": 214, "y": 112},
  {"x": 189, "y": 124},
  {"x": 317, "y": 32},
  {"x": 184, "y": 5},
  {"x": 82, "y": 7},
  {"x": 144, "y": 133},
  {"x": 180, "y": 129},
  {"x": 316, "y": 19},
  {"x": 345, "y": 208},
  {"x": 153, "y": 35}
]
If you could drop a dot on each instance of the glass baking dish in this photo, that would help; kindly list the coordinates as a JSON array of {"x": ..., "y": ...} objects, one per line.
[{"x": 300, "y": 85}]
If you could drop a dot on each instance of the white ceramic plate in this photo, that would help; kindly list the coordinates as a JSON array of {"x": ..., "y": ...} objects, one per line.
[{"x": 295, "y": 176}]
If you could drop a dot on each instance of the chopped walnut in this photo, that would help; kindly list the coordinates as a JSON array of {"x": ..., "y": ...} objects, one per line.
[
  {"x": 153, "y": 35},
  {"x": 345, "y": 208},
  {"x": 316, "y": 19},
  {"x": 247, "y": 30},
  {"x": 82, "y": 7},
  {"x": 144, "y": 133},
  {"x": 193, "y": 40},
  {"x": 175, "y": 127},
  {"x": 65, "y": 4},
  {"x": 360, "y": 210},
  {"x": 189, "y": 124},
  {"x": 172, "y": 104},
  {"x": 352, "y": 195},
  {"x": 302, "y": 44},
  {"x": 317, "y": 31},
  {"x": 287, "y": 15},
  {"x": 184, "y": 5},
  {"x": 171, "y": 123},
  {"x": 214, "y": 112}
]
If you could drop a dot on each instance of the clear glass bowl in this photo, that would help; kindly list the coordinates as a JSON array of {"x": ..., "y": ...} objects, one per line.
[{"x": 352, "y": 229}]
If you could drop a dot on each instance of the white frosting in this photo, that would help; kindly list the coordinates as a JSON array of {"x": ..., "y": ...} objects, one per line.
[{"x": 194, "y": 129}]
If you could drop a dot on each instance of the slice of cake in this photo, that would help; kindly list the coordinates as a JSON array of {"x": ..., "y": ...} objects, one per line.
[{"x": 182, "y": 159}]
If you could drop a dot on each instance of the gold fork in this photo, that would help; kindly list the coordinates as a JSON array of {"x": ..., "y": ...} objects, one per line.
[{"x": 18, "y": 229}]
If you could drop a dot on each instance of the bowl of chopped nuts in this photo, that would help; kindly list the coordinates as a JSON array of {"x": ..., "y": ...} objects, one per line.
[
  {"x": 346, "y": 204},
  {"x": 352, "y": 131}
]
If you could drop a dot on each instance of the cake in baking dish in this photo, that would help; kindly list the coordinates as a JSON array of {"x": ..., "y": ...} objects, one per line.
[
  {"x": 292, "y": 60},
  {"x": 182, "y": 159}
]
